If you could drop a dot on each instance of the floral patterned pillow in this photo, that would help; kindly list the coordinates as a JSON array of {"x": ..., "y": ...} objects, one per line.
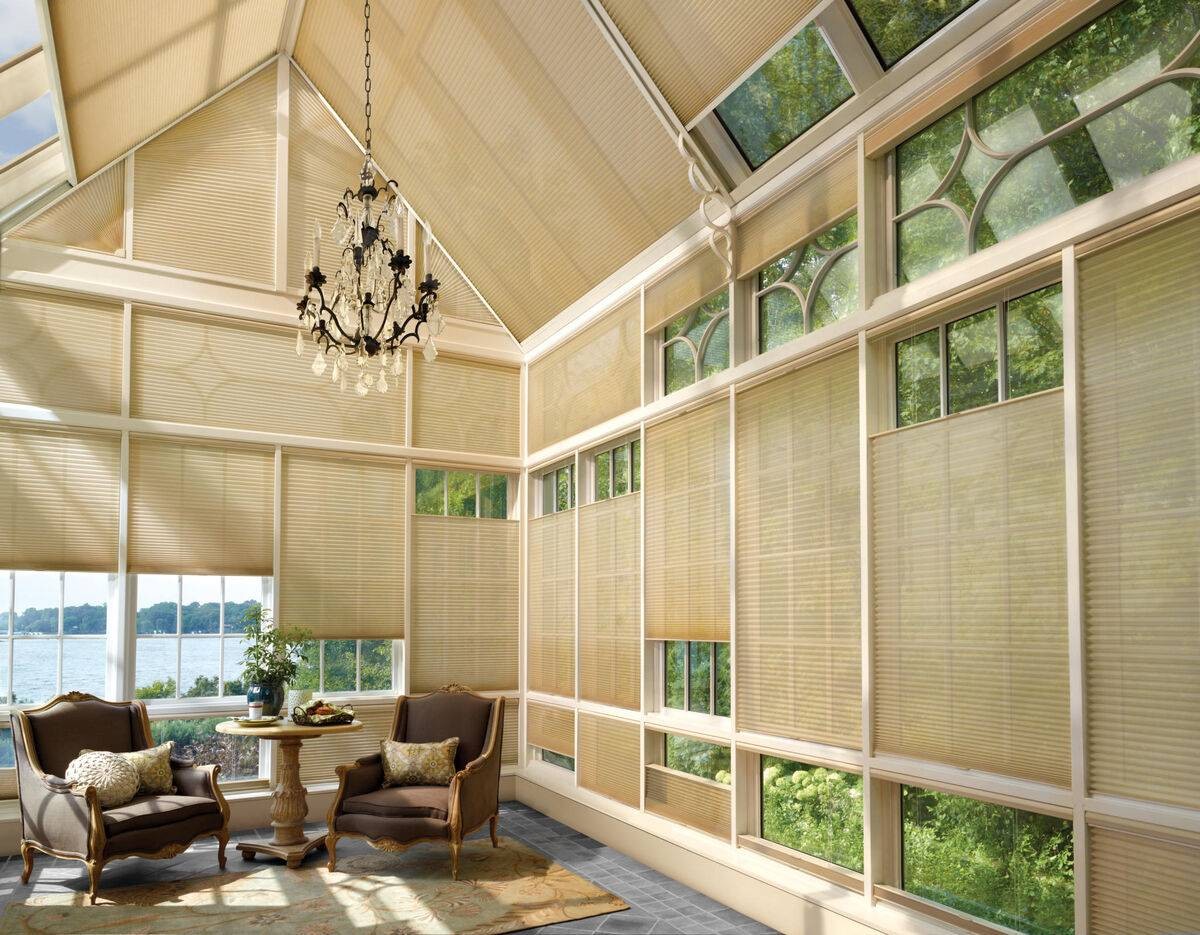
[
  {"x": 418, "y": 764},
  {"x": 153, "y": 768}
]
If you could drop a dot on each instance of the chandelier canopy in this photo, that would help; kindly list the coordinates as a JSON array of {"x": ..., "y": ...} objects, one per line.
[{"x": 370, "y": 310}]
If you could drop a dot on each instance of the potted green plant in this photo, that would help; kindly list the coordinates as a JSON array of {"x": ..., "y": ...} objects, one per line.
[{"x": 272, "y": 659}]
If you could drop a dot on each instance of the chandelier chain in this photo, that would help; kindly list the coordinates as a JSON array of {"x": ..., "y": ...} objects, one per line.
[{"x": 367, "y": 66}]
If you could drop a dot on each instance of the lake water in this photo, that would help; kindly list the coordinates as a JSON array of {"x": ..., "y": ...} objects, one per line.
[{"x": 35, "y": 664}]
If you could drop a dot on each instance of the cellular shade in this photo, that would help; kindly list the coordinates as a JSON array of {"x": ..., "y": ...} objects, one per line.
[
  {"x": 319, "y": 759},
  {"x": 466, "y": 405},
  {"x": 1142, "y": 882},
  {"x": 232, "y": 373},
  {"x": 699, "y": 803},
  {"x": 686, "y": 494},
  {"x": 59, "y": 498},
  {"x": 199, "y": 508},
  {"x": 550, "y": 630},
  {"x": 512, "y": 731},
  {"x": 588, "y": 379},
  {"x": 695, "y": 278},
  {"x": 610, "y": 633},
  {"x": 695, "y": 51},
  {"x": 464, "y": 603},
  {"x": 799, "y": 670},
  {"x": 456, "y": 298},
  {"x": 969, "y": 556},
  {"x": 814, "y": 202},
  {"x": 610, "y": 756},
  {"x": 1140, "y": 468},
  {"x": 550, "y": 727},
  {"x": 204, "y": 191},
  {"x": 341, "y": 572},
  {"x": 42, "y": 369},
  {"x": 91, "y": 216}
]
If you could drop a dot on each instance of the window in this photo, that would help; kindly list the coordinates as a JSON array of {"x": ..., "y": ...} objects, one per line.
[
  {"x": 794, "y": 88},
  {"x": 1087, "y": 116},
  {"x": 54, "y": 626},
  {"x": 558, "y": 489},
  {"x": 197, "y": 739},
  {"x": 556, "y": 759},
  {"x": 896, "y": 27},
  {"x": 966, "y": 356},
  {"x": 461, "y": 493},
  {"x": 340, "y": 666},
  {"x": 697, "y": 676},
  {"x": 618, "y": 470},
  {"x": 810, "y": 286},
  {"x": 1010, "y": 867},
  {"x": 696, "y": 344},
  {"x": 814, "y": 810},
  {"x": 188, "y": 634},
  {"x": 697, "y": 757},
  {"x": 26, "y": 128}
]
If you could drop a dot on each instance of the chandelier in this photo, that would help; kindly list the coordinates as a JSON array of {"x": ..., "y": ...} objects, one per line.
[{"x": 361, "y": 321}]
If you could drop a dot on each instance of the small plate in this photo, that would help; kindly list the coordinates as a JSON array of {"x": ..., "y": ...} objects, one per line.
[{"x": 257, "y": 721}]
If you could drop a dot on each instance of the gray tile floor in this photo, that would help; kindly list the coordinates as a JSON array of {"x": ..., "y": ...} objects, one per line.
[{"x": 658, "y": 904}]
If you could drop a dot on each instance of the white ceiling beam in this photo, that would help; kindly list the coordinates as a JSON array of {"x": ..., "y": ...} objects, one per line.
[
  {"x": 289, "y": 30},
  {"x": 850, "y": 46},
  {"x": 52, "y": 76}
]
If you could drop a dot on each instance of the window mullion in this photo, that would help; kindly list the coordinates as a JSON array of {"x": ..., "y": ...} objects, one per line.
[
  {"x": 1002, "y": 350},
  {"x": 221, "y": 640},
  {"x": 62, "y": 600},
  {"x": 944, "y": 368},
  {"x": 178, "y": 635}
]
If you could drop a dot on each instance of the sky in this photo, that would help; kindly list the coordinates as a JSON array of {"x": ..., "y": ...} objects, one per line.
[
  {"x": 21, "y": 30},
  {"x": 26, "y": 127}
]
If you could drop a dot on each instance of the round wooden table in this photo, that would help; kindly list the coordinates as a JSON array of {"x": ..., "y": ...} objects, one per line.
[{"x": 289, "y": 802}]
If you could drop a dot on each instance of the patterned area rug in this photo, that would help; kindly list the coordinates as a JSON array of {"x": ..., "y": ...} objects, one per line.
[{"x": 500, "y": 890}]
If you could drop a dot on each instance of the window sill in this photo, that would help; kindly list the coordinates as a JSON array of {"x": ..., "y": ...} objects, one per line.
[
  {"x": 707, "y": 727},
  {"x": 801, "y": 861},
  {"x": 943, "y": 914}
]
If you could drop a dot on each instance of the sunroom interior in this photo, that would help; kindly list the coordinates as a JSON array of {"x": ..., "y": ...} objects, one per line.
[{"x": 771, "y": 432}]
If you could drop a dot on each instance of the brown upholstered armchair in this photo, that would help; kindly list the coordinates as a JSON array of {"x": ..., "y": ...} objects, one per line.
[
  {"x": 397, "y": 817},
  {"x": 64, "y": 820}
]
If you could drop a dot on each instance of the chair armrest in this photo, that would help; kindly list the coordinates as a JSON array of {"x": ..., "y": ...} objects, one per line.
[
  {"x": 182, "y": 762},
  {"x": 59, "y": 785},
  {"x": 358, "y": 778},
  {"x": 199, "y": 781},
  {"x": 60, "y": 814},
  {"x": 476, "y": 790}
]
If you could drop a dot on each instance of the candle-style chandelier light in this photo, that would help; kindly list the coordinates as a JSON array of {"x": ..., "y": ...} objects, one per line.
[{"x": 371, "y": 309}]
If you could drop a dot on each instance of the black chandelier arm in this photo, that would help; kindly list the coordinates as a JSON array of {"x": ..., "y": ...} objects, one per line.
[{"x": 337, "y": 322}]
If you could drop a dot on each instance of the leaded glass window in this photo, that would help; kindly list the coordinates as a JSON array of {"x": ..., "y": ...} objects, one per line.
[
  {"x": 810, "y": 286},
  {"x": 696, "y": 344},
  {"x": 1111, "y": 104}
]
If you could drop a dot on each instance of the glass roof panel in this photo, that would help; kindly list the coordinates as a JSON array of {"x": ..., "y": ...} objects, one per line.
[
  {"x": 896, "y": 27},
  {"x": 26, "y": 127},
  {"x": 21, "y": 30}
]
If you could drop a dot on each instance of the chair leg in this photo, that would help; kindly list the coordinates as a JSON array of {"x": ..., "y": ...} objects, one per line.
[
  {"x": 27, "y": 857},
  {"x": 492, "y": 822},
  {"x": 222, "y": 840},
  {"x": 94, "y": 868},
  {"x": 331, "y": 849},
  {"x": 454, "y": 849}
]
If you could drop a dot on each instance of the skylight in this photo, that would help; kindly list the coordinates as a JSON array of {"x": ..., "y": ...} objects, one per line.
[
  {"x": 896, "y": 27},
  {"x": 794, "y": 88},
  {"x": 26, "y": 127},
  {"x": 21, "y": 30}
]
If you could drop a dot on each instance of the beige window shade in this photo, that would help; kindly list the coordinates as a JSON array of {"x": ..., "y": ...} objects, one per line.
[
  {"x": 91, "y": 216},
  {"x": 969, "y": 550},
  {"x": 1009, "y": 51},
  {"x": 817, "y": 200},
  {"x": 59, "y": 498},
  {"x": 550, "y": 631},
  {"x": 610, "y": 632},
  {"x": 8, "y": 781},
  {"x": 41, "y": 369},
  {"x": 322, "y": 162},
  {"x": 456, "y": 298},
  {"x": 199, "y": 508},
  {"x": 243, "y": 375},
  {"x": 690, "y": 800},
  {"x": 1142, "y": 883},
  {"x": 799, "y": 671},
  {"x": 550, "y": 727},
  {"x": 696, "y": 278},
  {"x": 342, "y": 569},
  {"x": 694, "y": 51},
  {"x": 1140, "y": 469},
  {"x": 320, "y": 756},
  {"x": 589, "y": 379},
  {"x": 204, "y": 191},
  {"x": 687, "y": 526},
  {"x": 512, "y": 732},
  {"x": 464, "y": 603},
  {"x": 610, "y": 758},
  {"x": 466, "y": 405}
]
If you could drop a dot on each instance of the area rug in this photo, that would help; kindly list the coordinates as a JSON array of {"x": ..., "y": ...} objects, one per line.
[{"x": 499, "y": 890}]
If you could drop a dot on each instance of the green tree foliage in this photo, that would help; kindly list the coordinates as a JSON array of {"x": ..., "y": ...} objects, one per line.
[
  {"x": 1008, "y": 866},
  {"x": 706, "y": 760},
  {"x": 974, "y": 367},
  {"x": 431, "y": 492},
  {"x": 78, "y": 619},
  {"x": 710, "y": 317},
  {"x": 814, "y": 810},
  {"x": 896, "y": 27},
  {"x": 461, "y": 493},
  {"x": 197, "y": 739},
  {"x": 158, "y": 619},
  {"x": 1035, "y": 342}
]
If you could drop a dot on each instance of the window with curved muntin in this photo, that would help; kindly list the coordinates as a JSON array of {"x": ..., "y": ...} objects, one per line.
[
  {"x": 696, "y": 344},
  {"x": 1109, "y": 105}
]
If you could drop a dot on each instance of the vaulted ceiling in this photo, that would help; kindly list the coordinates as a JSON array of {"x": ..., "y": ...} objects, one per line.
[{"x": 512, "y": 126}]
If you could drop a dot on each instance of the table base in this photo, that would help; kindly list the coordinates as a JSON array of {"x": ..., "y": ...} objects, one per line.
[{"x": 292, "y": 853}]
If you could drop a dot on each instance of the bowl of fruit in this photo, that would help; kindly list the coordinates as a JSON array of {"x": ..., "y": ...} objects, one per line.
[{"x": 322, "y": 713}]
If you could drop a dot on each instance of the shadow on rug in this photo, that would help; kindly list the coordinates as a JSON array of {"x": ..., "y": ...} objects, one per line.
[{"x": 500, "y": 890}]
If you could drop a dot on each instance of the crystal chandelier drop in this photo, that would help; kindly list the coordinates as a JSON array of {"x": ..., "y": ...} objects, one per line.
[{"x": 364, "y": 320}]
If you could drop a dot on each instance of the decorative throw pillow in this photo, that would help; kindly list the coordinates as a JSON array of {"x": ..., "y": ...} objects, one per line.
[
  {"x": 114, "y": 777},
  {"x": 418, "y": 764},
  {"x": 153, "y": 768}
]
